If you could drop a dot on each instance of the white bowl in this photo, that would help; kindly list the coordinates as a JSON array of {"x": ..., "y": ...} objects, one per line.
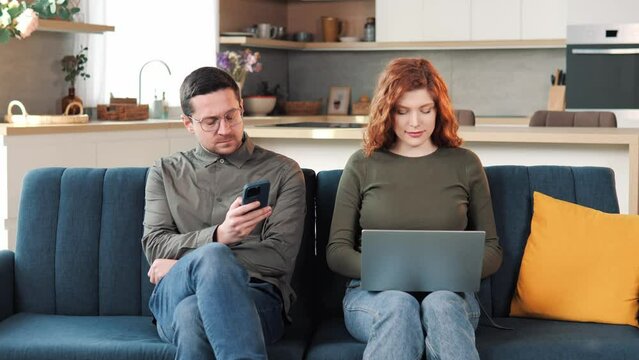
[
  {"x": 259, "y": 105},
  {"x": 349, "y": 39}
]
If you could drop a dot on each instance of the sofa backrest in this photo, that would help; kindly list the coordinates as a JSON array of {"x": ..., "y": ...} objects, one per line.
[
  {"x": 511, "y": 190},
  {"x": 78, "y": 250}
]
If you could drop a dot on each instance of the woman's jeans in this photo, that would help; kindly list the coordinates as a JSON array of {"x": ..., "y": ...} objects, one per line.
[
  {"x": 400, "y": 325},
  {"x": 209, "y": 307}
]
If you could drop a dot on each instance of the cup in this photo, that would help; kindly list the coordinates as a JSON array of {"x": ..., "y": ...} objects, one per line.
[
  {"x": 303, "y": 36},
  {"x": 331, "y": 28},
  {"x": 265, "y": 31},
  {"x": 280, "y": 32}
]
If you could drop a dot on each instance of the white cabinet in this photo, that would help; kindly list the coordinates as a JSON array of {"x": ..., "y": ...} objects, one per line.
[
  {"x": 399, "y": 20},
  {"x": 544, "y": 19},
  {"x": 446, "y": 20},
  {"x": 495, "y": 19},
  {"x": 602, "y": 12},
  {"x": 463, "y": 20}
]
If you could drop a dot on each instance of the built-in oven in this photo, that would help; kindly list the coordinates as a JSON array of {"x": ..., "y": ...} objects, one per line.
[{"x": 602, "y": 66}]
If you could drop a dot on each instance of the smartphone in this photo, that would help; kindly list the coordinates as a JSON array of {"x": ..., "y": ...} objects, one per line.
[{"x": 256, "y": 191}]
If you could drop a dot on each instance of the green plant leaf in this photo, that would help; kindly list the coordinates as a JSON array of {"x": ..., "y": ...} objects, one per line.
[
  {"x": 14, "y": 12},
  {"x": 64, "y": 13},
  {"x": 5, "y": 35},
  {"x": 75, "y": 10}
]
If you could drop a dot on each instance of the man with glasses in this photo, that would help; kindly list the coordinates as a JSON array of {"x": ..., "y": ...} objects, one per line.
[{"x": 222, "y": 269}]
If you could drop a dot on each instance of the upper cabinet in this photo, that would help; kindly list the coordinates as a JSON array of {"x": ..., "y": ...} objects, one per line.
[
  {"x": 495, "y": 20},
  {"x": 476, "y": 20},
  {"x": 399, "y": 20},
  {"x": 446, "y": 20},
  {"x": 544, "y": 19}
]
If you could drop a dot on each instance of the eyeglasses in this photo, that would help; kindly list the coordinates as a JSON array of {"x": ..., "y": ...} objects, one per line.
[{"x": 212, "y": 124}]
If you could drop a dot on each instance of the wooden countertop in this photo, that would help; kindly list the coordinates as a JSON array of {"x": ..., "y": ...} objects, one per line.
[{"x": 258, "y": 127}]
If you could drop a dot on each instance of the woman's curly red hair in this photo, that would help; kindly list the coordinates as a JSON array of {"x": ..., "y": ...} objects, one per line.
[{"x": 400, "y": 76}]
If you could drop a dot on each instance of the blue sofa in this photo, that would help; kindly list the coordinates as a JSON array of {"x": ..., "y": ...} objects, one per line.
[{"x": 76, "y": 286}]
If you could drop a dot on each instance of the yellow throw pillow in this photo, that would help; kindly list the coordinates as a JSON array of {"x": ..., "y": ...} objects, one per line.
[{"x": 579, "y": 264}]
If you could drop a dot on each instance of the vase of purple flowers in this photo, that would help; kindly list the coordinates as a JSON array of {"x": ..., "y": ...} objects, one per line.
[{"x": 238, "y": 65}]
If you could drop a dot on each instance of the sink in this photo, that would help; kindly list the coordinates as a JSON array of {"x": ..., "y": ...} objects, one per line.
[{"x": 323, "y": 125}]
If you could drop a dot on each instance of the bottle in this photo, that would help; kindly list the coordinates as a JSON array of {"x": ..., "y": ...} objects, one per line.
[
  {"x": 369, "y": 29},
  {"x": 165, "y": 107},
  {"x": 157, "y": 106}
]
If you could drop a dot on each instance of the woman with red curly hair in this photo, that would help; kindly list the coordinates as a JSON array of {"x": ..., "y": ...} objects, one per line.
[{"x": 411, "y": 174}]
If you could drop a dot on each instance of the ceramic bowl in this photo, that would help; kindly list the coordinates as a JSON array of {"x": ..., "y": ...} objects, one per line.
[
  {"x": 349, "y": 39},
  {"x": 259, "y": 105}
]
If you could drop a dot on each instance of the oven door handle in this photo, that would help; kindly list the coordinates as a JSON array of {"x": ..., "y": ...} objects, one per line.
[{"x": 625, "y": 51}]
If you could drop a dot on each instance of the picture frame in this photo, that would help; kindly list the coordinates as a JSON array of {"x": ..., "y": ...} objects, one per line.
[{"x": 339, "y": 99}]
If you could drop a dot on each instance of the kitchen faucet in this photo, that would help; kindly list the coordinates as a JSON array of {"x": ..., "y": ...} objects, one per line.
[{"x": 140, "y": 76}]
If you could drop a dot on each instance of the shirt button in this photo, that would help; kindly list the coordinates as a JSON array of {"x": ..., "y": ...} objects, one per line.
[
  {"x": 221, "y": 161},
  {"x": 218, "y": 199}
]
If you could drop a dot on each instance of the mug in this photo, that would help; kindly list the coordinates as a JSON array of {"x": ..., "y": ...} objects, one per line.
[
  {"x": 265, "y": 31},
  {"x": 280, "y": 32},
  {"x": 331, "y": 28},
  {"x": 303, "y": 36}
]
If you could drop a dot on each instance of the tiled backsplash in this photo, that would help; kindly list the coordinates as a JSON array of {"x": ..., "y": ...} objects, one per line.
[{"x": 490, "y": 82}]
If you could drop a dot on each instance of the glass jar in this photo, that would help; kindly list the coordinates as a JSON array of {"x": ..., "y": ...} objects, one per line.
[{"x": 369, "y": 29}]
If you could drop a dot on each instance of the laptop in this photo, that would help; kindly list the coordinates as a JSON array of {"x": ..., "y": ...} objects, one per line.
[{"x": 422, "y": 260}]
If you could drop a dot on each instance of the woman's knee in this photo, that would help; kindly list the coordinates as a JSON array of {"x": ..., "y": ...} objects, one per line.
[{"x": 439, "y": 302}]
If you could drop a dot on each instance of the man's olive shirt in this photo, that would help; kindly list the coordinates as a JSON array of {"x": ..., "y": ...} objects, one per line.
[{"x": 189, "y": 193}]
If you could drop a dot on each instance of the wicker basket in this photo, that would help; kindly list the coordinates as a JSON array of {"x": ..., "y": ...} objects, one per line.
[
  {"x": 123, "y": 112},
  {"x": 303, "y": 107},
  {"x": 26, "y": 118}
]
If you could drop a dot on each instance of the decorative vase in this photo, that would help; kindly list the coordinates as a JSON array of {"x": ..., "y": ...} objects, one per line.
[{"x": 69, "y": 99}]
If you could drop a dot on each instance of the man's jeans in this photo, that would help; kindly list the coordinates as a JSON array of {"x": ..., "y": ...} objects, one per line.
[
  {"x": 207, "y": 304},
  {"x": 397, "y": 325}
]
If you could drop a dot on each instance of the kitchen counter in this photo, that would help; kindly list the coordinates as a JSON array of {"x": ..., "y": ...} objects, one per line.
[{"x": 140, "y": 143}]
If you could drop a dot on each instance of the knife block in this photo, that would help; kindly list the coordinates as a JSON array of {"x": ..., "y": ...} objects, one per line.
[{"x": 557, "y": 98}]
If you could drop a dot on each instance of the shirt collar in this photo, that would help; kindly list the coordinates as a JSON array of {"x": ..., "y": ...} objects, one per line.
[{"x": 237, "y": 158}]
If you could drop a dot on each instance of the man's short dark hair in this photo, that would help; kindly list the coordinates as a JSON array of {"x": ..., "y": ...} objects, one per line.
[{"x": 203, "y": 81}]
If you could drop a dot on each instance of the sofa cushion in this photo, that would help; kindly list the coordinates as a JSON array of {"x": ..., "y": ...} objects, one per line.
[
  {"x": 582, "y": 256},
  {"x": 534, "y": 339},
  {"x": 511, "y": 189},
  {"x": 78, "y": 246},
  {"x": 333, "y": 342},
  {"x": 39, "y": 336}
]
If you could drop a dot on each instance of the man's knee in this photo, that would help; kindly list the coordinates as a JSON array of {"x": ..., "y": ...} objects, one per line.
[{"x": 186, "y": 316}]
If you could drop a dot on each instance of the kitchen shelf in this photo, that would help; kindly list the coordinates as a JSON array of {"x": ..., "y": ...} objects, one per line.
[
  {"x": 393, "y": 46},
  {"x": 72, "y": 27}
]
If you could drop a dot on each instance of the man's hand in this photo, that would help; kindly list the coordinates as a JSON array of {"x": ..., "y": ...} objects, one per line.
[
  {"x": 240, "y": 221},
  {"x": 159, "y": 268}
]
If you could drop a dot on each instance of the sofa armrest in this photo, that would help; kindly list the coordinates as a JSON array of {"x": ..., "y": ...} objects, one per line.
[{"x": 7, "y": 276}]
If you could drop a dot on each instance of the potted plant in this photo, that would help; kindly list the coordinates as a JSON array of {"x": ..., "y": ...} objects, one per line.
[
  {"x": 239, "y": 65},
  {"x": 73, "y": 66}
]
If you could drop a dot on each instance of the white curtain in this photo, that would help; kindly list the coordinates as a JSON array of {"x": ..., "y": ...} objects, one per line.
[{"x": 183, "y": 34}]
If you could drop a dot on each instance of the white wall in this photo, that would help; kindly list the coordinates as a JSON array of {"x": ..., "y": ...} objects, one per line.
[{"x": 181, "y": 33}]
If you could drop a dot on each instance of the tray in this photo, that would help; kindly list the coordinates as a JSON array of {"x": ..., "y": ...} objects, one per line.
[{"x": 27, "y": 119}]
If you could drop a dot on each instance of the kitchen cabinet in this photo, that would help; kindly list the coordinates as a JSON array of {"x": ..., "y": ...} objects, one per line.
[
  {"x": 399, "y": 20},
  {"x": 544, "y": 19},
  {"x": 495, "y": 19},
  {"x": 602, "y": 12},
  {"x": 474, "y": 20},
  {"x": 446, "y": 20}
]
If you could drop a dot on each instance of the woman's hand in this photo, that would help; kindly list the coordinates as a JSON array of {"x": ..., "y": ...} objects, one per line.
[{"x": 159, "y": 268}]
